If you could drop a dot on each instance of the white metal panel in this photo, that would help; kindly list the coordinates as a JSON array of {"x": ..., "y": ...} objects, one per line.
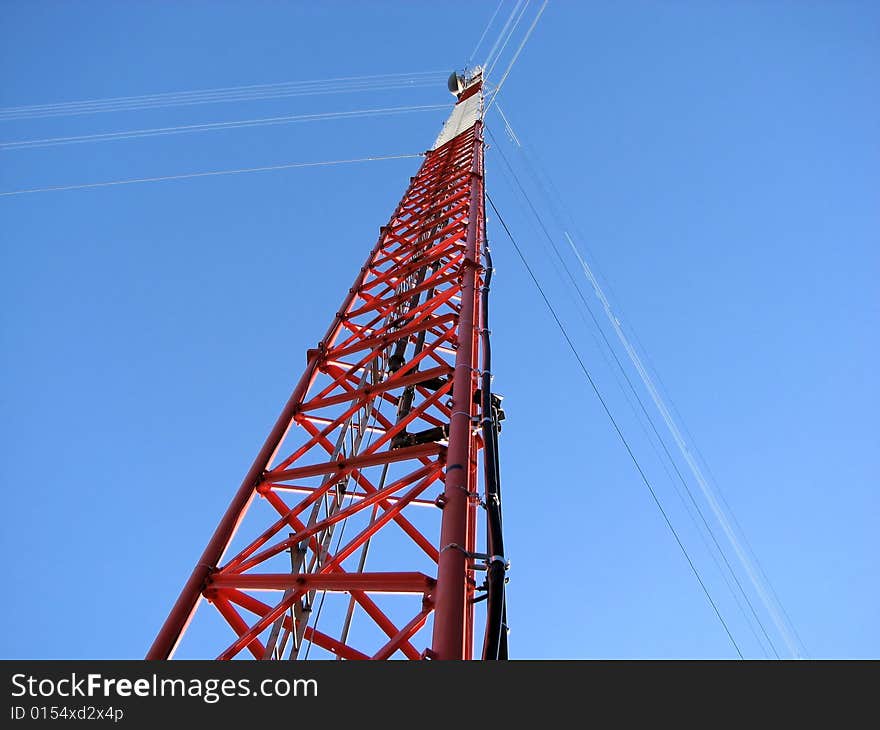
[{"x": 463, "y": 117}]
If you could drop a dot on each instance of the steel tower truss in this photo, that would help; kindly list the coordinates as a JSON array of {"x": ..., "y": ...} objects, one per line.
[{"x": 373, "y": 461}]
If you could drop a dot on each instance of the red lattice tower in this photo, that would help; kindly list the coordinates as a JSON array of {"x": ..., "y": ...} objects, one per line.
[{"x": 362, "y": 506}]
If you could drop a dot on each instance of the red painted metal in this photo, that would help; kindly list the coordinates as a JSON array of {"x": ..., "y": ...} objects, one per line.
[
  {"x": 453, "y": 575},
  {"x": 365, "y": 491}
]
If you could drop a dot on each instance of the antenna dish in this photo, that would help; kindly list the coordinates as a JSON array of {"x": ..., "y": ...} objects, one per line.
[{"x": 455, "y": 84}]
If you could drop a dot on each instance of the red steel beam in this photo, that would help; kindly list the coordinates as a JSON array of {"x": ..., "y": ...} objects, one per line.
[
  {"x": 417, "y": 292},
  {"x": 450, "y": 602},
  {"x": 344, "y": 466},
  {"x": 181, "y": 613},
  {"x": 366, "y": 582}
]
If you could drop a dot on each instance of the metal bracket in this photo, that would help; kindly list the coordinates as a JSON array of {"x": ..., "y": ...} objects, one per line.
[{"x": 485, "y": 557}]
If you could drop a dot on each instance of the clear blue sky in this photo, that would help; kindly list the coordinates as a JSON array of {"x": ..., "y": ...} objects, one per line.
[{"x": 722, "y": 162}]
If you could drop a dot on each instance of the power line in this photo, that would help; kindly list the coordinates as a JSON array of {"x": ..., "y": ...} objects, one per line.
[
  {"x": 188, "y": 128},
  {"x": 234, "y": 93},
  {"x": 267, "y": 96},
  {"x": 693, "y": 466},
  {"x": 485, "y": 30},
  {"x": 739, "y": 527},
  {"x": 172, "y": 95},
  {"x": 628, "y": 395},
  {"x": 614, "y": 423},
  {"x": 665, "y": 391},
  {"x": 675, "y": 466},
  {"x": 503, "y": 33},
  {"x": 595, "y": 322},
  {"x": 509, "y": 36},
  {"x": 211, "y": 173},
  {"x": 516, "y": 55}
]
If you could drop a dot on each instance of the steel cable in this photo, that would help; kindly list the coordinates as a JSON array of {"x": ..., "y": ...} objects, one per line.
[
  {"x": 210, "y": 126},
  {"x": 616, "y": 427},
  {"x": 583, "y": 301},
  {"x": 719, "y": 513},
  {"x": 234, "y": 93},
  {"x": 485, "y": 30},
  {"x": 211, "y": 173}
]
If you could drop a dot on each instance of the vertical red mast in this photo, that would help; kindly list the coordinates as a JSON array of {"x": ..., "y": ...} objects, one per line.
[{"x": 356, "y": 526}]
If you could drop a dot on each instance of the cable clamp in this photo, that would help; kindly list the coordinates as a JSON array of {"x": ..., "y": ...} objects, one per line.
[
  {"x": 471, "y": 495},
  {"x": 454, "y": 546},
  {"x": 475, "y": 420},
  {"x": 485, "y": 557},
  {"x": 466, "y": 553}
]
